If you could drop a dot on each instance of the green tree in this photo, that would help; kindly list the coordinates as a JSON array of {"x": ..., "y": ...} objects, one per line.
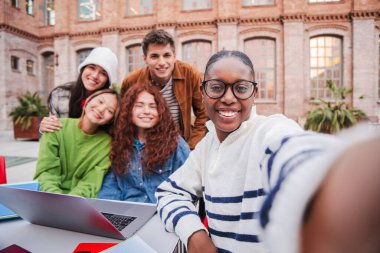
[{"x": 334, "y": 115}]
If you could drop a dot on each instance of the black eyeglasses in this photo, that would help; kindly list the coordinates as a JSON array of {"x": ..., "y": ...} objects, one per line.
[{"x": 242, "y": 89}]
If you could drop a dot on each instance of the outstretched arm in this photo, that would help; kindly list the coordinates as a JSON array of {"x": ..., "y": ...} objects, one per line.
[
  {"x": 344, "y": 215},
  {"x": 200, "y": 242},
  {"x": 326, "y": 201}
]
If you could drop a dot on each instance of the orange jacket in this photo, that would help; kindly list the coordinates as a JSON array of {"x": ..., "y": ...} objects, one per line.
[{"x": 186, "y": 88}]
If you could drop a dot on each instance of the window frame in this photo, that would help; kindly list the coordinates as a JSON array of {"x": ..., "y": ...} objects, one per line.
[
  {"x": 29, "y": 10},
  {"x": 141, "y": 6},
  {"x": 82, "y": 51},
  {"x": 137, "y": 65},
  {"x": 48, "y": 19},
  {"x": 29, "y": 66},
  {"x": 15, "y": 4},
  {"x": 47, "y": 71},
  {"x": 326, "y": 93},
  {"x": 257, "y": 70},
  {"x": 15, "y": 63},
  {"x": 97, "y": 10},
  {"x": 190, "y": 61}
]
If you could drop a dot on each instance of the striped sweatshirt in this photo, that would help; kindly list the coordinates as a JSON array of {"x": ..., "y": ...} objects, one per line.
[{"x": 240, "y": 179}]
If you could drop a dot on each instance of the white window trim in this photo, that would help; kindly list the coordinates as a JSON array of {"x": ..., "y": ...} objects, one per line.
[{"x": 346, "y": 55}]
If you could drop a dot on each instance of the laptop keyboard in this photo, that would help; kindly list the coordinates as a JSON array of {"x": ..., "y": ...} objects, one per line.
[{"x": 119, "y": 221}]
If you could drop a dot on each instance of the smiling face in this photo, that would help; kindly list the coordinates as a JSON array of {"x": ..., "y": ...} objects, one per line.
[
  {"x": 227, "y": 113},
  {"x": 101, "y": 109},
  {"x": 160, "y": 60},
  {"x": 94, "y": 77},
  {"x": 144, "y": 112}
]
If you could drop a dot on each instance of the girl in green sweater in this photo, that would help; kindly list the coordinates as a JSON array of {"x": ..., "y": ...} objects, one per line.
[{"x": 74, "y": 159}]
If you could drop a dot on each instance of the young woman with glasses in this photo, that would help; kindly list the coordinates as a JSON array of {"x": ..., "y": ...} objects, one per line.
[{"x": 257, "y": 175}]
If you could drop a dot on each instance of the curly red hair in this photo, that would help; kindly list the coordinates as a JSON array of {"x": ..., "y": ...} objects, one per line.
[{"x": 161, "y": 140}]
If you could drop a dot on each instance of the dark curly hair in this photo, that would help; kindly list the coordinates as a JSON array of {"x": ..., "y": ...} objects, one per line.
[{"x": 161, "y": 140}]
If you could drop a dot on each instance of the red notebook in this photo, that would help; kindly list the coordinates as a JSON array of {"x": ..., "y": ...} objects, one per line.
[{"x": 92, "y": 247}]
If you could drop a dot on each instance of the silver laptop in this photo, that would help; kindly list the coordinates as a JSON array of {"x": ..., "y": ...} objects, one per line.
[{"x": 114, "y": 219}]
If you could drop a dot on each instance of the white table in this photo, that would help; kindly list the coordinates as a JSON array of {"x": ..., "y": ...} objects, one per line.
[{"x": 42, "y": 239}]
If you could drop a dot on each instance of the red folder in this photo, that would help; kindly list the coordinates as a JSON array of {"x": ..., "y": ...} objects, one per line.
[{"x": 92, "y": 247}]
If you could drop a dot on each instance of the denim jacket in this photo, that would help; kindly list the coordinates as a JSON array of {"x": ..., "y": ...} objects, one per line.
[{"x": 138, "y": 187}]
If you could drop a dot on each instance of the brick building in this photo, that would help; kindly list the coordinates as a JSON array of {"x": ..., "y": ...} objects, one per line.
[{"x": 295, "y": 45}]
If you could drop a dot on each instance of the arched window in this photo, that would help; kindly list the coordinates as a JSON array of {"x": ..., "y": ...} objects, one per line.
[
  {"x": 47, "y": 72},
  {"x": 197, "y": 53},
  {"x": 134, "y": 57},
  {"x": 325, "y": 64},
  {"x": 82, "y": 54},
  {"x": 262, "y": 52}
]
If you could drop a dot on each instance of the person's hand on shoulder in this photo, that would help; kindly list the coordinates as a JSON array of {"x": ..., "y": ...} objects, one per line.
[
  {"x": 50, "y": 124},
  {"x": 200, "y": 242}
]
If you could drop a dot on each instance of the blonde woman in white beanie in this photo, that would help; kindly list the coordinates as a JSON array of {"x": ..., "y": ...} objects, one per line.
[{"x": 96, "y": 72}]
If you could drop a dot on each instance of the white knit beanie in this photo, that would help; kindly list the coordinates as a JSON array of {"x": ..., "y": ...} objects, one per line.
[{"x": 103, "y": 57}]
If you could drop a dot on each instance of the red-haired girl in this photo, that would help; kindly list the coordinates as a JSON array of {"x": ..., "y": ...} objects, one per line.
[{"x": 146, "y": 147}]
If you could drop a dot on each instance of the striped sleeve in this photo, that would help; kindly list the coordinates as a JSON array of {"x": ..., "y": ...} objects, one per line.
[
  {"x": 293, "y": 167},
  {"x": 176, "y": 197},
  {"x": 296, "y": 177}
]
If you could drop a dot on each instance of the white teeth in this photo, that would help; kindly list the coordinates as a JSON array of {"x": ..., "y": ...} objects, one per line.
[
  {"x": 228, "y": 113},
  {"x": 91, "y": 81}
]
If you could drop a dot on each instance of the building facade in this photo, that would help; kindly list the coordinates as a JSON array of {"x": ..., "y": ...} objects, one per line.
[{"x": 296, "y": 46}]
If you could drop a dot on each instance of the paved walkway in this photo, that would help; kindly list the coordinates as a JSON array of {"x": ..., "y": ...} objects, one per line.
[{"x": 19, "y": 148}]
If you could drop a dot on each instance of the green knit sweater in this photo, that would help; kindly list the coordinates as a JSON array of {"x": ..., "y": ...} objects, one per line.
[{"x": 72, "y": 162}]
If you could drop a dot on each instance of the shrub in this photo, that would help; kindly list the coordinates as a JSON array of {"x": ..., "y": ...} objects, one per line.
[
  {"x": 29, "y": 105},
  {"x": 334, "y": 115}
]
